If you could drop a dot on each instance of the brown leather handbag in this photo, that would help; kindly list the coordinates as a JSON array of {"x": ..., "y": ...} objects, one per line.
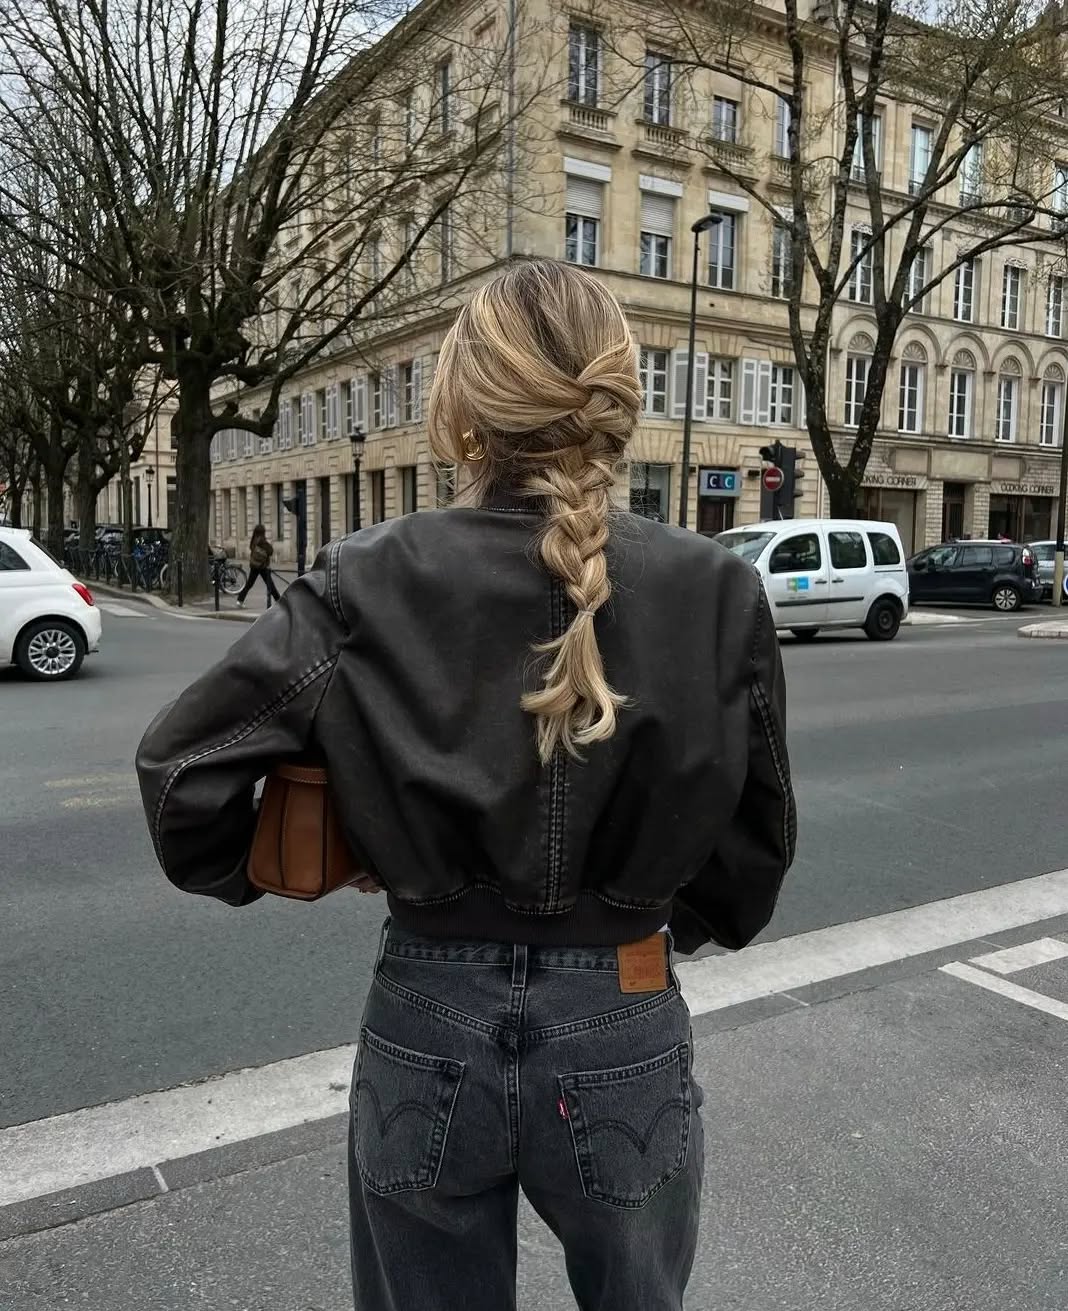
[{"x": 299, "y": 849}]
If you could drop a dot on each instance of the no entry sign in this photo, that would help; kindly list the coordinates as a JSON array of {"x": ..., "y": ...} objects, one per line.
[{"x": 773, "y": 478}]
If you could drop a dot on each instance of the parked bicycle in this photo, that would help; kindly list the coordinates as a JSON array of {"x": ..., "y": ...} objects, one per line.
[{"x": 231, "y": 576}]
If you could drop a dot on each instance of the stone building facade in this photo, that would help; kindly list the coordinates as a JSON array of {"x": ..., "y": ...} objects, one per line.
[{"x": 974, "y": 406}]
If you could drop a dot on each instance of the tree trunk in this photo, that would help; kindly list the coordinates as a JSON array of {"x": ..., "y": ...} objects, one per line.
[
  {"x": 843, "y": 496},
  {"x": 193, "y": 473},
  {"x": 35, "y": 484},
  {"x": 16, "y": 508},
  {"x": 54, "y": 483},
  {"x": 85, "y": 497}
]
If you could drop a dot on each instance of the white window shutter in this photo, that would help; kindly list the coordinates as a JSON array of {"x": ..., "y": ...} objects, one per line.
[
  {"x": 331, "y": 412},
  {"x": 658, "y": 214},
  {"x": 747, "y": 408},
  {"x": 275, "y": 439},
  {"x": 700, "y": 385},
  {"x": 360, "y": 400},
  {"x": 679, "y": 362},
  {"x": 391, "y": 396},
  {"x": 763, "y": 408},
  {"x": 585, "y": 197},
  {"x": 417, "y": 391}
]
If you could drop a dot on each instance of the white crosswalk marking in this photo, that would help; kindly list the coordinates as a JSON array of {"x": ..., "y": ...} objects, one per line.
[{"x": 121, "y": 611}]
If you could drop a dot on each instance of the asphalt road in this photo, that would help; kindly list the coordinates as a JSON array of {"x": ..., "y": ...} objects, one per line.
[{"x": 926, "y": 767}]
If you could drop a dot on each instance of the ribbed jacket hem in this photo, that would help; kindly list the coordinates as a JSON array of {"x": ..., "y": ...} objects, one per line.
[{"x": 482, "y": 913}]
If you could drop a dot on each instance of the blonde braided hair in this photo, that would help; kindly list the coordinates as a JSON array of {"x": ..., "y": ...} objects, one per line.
[{"x": 539, "y": 372}]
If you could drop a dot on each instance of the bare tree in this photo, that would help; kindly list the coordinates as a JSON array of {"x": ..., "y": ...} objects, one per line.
[
  {"x": 987, "y": 76},
  {"x": 267, "y": 176}
]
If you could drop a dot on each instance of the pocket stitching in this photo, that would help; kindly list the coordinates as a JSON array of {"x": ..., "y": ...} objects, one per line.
[
  {"x": 453, "y": 1071},
  {"x": 579, "y": 1125}
]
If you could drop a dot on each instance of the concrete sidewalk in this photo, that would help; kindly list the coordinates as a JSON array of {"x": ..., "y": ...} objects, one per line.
[
  {"x": 894, "y": 1147},
  {"x": 1048, "y": 628},
  {"x": 255, "y": 605}
]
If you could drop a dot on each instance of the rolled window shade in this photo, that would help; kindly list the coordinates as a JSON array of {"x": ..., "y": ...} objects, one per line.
[
  {"x": 585, "y": 197},
  {"x": 658, "y": 214}
]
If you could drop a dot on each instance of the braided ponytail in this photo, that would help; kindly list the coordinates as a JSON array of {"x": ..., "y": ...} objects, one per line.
[{"x": 541, "y": 369}]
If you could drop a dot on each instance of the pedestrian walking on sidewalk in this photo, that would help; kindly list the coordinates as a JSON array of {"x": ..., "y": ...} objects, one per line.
[
  {"x": 260, "y": 551},
  {"x": 554, "y": 733}
]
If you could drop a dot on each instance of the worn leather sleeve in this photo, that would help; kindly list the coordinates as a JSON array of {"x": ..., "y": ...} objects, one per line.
[
  {"x": 201, "y": 758},
  {"x": 733, "y": 896}
]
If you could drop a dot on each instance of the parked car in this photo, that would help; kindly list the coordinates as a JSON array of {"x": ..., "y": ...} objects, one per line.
[
  {"x": 1001, "y": 574},
  {"x": 828, "y": 573},
  {"x": 48, "y": 620},
  {"x": 1044, "y": 552}
]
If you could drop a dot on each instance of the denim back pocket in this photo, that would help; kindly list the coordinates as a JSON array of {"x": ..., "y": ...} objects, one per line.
[
  {"x": 630, "y": 1126},
  {"x": 404, "y": 1103}
]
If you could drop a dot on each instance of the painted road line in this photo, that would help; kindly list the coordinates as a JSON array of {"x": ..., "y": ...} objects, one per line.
[
  {"x": 1024, "y": 957},
  {"x": 1038, "y": 1001},
  {"x": 79, "y": 1147},
  {"x": 121, "y": 611},
  {"x": 770, "y": 967},
  {"x": 64, "y": 1151}
]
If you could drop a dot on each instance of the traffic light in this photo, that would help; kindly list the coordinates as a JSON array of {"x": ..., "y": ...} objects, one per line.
[{"x": 773, "y": 453}]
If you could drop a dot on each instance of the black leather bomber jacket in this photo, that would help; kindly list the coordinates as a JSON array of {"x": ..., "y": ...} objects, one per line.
[{"x": 401, "y": 658}]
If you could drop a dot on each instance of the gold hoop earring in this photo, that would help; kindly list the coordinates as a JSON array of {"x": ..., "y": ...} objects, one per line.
[{"x": 474, "y": 447}]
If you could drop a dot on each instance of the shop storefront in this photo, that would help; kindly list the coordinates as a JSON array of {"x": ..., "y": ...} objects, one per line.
[
  {"x": 717, "y": 494},
  {"x": 894, "y": 498},
  {"x": 1022, "y": 511}
]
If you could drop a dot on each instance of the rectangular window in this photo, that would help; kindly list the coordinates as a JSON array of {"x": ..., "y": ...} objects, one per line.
[
  {"x": 971, "y": 175},
  {"x": 374, "y": 258},
  {"x": 657, "y": 230},
  {"x": 445, "y": 97},
  {"x": 409, "y": 489},
  {"x": 377, "y": 401},
  {"x": 781, "y": 400},
  {"x": 910, "y": 399},
  {"x": 919, "y": 157},
  {"x": 584, "y": 66},
  {"x": 860, "y": 280},
  {"x": 1059, "y": 201},
  {"x": 724, "y": 119},
  {"x": 720, "y": 402},
  {"x": 650, "y": 490},
  {"x": 444, "y": 485},
  {"x": 654, "y": 379},
  {"x": 781, "y": 262},
  {"x": 961, "y": 386},
  {"x": 279, "y": 510},
  {"x": 722, "y": 245},
  {"x": 407, "y": 388},
  {"x": 409, "y": 119},
  {"x": 1055, "y": 307},
  {"x": 783, "y": 118},
  {"x": 964, "y": 292},
  {"x": 1008, "y": 395},
  {"x": 919, "y": 276},
  {"x": 1052, "y": 398},
  {"x": 580, "y": 240},
  {"x": 322, "y": 414},
  {"x": 296, "y": 420},
  {"x": 377, "y": 479},
  {"x": 657, "y": 89},
  {"x": 1011, "y": 297},
  {"x": 856, "y": 386},
  {"x": 858, "y": 171}
]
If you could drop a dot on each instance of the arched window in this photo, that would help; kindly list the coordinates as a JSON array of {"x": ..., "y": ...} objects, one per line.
[
  {"x": 1051, "y": 417},
  {"x": 1005, "y": 421},
  {"x": 912, "y": 388},
  {"x": 962, "y": 394}
]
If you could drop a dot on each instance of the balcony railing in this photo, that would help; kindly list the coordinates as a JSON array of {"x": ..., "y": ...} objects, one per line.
[
  {"x": 588, "y": 118},
  {"x": 660, "y": 136}
]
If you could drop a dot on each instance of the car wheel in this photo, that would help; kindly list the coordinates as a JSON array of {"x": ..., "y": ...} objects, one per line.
[
  {"x": 883, "y": 622},
  {"x": 50, "y": 650},
  {"x": 804, "y": 634},
  {"x": 1007, "y": 598}
]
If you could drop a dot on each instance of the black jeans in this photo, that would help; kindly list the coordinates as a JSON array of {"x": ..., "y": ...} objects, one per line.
[
  {"x": 486, "y": 1067},
  {"x": 259, "y": 571}
]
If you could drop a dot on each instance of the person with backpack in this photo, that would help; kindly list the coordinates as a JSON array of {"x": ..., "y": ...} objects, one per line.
[{"x": 260, "y": 552}]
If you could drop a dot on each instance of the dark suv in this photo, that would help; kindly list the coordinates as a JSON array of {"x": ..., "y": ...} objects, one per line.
[{"x": 1001, "y": 574}]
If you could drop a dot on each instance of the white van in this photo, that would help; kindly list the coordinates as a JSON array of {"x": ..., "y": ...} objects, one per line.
[{"x": 828, "y": 573}]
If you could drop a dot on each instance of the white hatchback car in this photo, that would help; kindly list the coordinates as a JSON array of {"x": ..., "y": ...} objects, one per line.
[
  {"x": 828, "y": 573},
  {"x": 48, "y": 620}
]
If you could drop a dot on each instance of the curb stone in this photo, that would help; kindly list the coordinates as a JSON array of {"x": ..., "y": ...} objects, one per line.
[{"x": 1050, "y": 628}]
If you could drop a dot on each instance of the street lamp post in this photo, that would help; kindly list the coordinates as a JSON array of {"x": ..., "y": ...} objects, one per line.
[
  {"x": 359, "y": 442},
  {"x": 702, "y": 225},
  {"x": 150, "y": 474}
]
